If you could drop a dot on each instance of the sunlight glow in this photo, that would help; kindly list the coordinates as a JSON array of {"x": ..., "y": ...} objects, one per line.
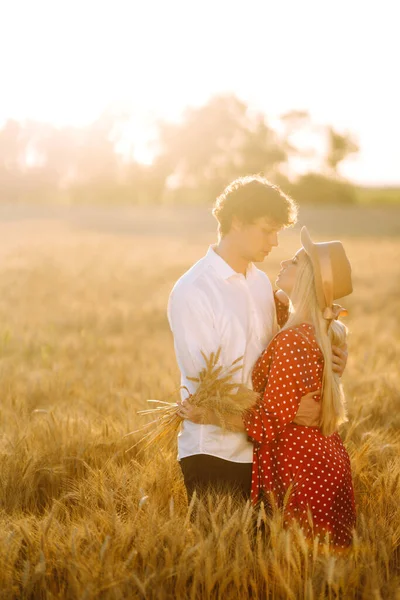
[{"x": 64, "y": 62}]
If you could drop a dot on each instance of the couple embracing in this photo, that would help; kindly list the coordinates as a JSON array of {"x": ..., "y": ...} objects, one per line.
[{"x": 294, "y": 352}]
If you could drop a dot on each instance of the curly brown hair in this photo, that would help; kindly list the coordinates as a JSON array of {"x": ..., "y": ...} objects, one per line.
[{"x": 250, "y": 198}]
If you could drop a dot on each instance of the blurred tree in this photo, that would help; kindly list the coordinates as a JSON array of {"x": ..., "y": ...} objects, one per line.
[
  {"x": 216, "y": 143},
  {"x": 96, "y": 159},
  {"x": 298, "y": 128},
  {"x": 315, "y": 188},
  {"x": 10, "y": 145},
  {"x": 339, "y": 147},
  {"x": 211, "y": 146},
  {"x": 39, "y": 160},
  {"x": 293, "y": 122},
  {"x": 9, "y": 159},
  {"x": 294, "y": 119},
  {"x": 261, "y": 150}
]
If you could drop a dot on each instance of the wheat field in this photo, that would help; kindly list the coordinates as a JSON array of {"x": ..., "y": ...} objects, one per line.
[{"x": 84, "y": 342}]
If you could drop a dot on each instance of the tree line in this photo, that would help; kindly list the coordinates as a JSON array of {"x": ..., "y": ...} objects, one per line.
[{"x": 193, "y": 159}]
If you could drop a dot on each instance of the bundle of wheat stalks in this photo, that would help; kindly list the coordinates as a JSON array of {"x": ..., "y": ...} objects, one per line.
[{"x": 215, "y": 391}]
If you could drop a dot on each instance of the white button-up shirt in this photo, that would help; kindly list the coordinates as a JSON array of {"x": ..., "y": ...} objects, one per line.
[{"x": 213, "y": 306}]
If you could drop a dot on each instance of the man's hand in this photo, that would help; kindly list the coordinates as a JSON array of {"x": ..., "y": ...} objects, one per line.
[
  {"x": 339, "y": 359},
  {"x": 203, "y": 416},
  {"x": 194, "y": 413},
  {"x": 309, "y": 410}
]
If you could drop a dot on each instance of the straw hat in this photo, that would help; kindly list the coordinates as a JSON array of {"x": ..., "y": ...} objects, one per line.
[{"x": 332, "y": 272}]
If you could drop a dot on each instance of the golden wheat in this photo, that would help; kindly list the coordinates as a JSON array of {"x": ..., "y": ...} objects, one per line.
[
  {"x": 216, "y": 390},
  {"x": 84, "y": 341}
]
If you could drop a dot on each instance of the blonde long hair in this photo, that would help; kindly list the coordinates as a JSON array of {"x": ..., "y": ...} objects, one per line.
[{"x": 304, "y": 308}]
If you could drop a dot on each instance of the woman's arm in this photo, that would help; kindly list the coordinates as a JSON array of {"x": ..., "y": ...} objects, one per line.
[
  {"x": 291, "y": 376},
  {"x": 281, "y": 307}
]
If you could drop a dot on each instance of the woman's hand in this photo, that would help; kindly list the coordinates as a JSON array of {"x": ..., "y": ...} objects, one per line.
[{"x": 339, "y": 359}]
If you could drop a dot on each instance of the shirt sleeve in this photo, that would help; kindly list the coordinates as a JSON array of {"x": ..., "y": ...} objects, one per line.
[
  {"x": 192, "y": 324},
  {"x": 289, "y": 378}
]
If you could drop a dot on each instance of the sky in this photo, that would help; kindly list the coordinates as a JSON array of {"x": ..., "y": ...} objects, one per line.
[{"x": 65, "y": 61}]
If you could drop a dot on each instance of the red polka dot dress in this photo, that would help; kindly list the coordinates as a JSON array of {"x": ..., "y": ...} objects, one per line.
[{"x": 315, "y": 468}]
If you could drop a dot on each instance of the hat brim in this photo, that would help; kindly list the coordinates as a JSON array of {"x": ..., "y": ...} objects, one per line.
[
  {"x": 306, "y": 241},
  {"x": 312, "y": 252}
]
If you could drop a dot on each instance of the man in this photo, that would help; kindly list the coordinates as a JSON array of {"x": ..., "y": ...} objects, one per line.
[{"x": 225, "y": 301}]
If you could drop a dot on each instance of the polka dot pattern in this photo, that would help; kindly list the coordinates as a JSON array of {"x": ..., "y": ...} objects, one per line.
[
  {"x": 308, "y": 473},
  {"x": 282, "y": 311}
]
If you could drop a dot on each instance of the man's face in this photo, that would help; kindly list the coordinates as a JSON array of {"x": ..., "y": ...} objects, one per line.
[{"x": 256, "y": 240}]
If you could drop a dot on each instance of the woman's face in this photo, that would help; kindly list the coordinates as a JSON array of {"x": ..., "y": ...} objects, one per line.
[{"x": 288, "y": 273}]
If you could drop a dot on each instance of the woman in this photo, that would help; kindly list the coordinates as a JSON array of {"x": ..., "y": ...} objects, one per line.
[{"x": 307, "y": 469}]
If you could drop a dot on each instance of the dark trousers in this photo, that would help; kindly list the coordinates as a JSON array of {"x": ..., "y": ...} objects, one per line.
[{"x": 205, "y": 474}]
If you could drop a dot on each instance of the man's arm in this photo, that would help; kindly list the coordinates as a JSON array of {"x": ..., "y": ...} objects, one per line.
[
  {"x": 308, "y": 414},
  {"x": 274, "y": 412},
  {"x": 339, "y": 355},
  {"x": 339, "y": 359},
  {"x": 289, "y": 377},
  {"x": 191, "y": 323}
]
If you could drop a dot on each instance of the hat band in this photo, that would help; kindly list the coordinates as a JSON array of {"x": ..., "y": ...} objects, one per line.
[
  {"x": 331, "y": 311},
  {"x": 326, "y": 276}
]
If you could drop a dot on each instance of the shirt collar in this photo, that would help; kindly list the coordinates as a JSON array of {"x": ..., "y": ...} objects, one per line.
[{"x": 223, "y": 269}]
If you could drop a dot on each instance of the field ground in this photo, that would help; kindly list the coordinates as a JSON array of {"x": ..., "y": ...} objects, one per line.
[{"x": 84, "y": 341}]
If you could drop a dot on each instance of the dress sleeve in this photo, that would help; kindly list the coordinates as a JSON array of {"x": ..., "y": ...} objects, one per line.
[
  {"x": 291, "y": 375},
  {"x": 282, "y": 311}
]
